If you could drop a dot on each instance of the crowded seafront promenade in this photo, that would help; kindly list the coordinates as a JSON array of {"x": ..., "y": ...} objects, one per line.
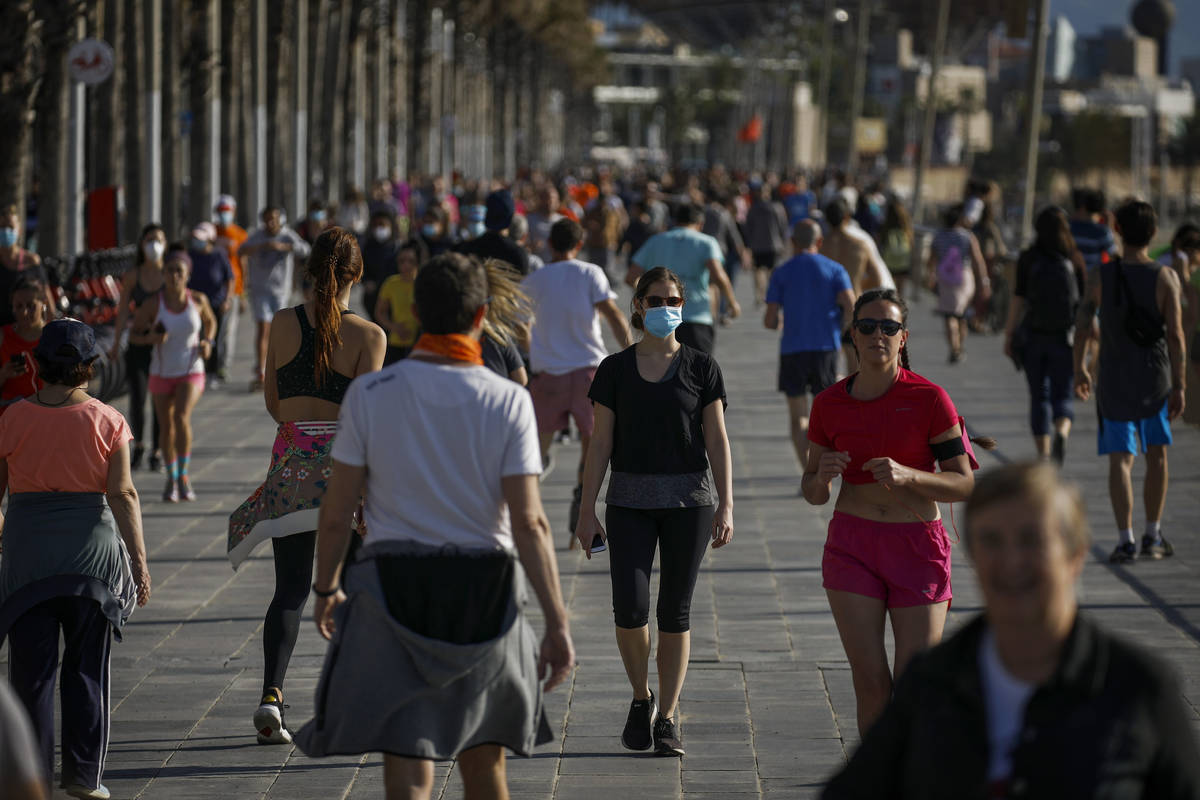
[{"x": 768, "y": 710}]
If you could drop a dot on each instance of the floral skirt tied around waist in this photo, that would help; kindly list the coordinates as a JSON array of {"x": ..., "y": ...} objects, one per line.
[{"x": 288, "y": 500}]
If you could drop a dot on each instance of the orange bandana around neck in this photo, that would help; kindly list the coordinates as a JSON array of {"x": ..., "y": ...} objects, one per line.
[{"x": 456, "y": 346}]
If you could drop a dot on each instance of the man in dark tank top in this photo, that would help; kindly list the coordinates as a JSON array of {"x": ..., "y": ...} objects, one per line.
[{"x": 1141, "y": 386}]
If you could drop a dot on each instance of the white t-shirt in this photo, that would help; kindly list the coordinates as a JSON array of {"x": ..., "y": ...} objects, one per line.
[
  {"x": 436, "y": 440},
  {"x": 566, "y": 326},
  {"x": 1005, "y": 698}
]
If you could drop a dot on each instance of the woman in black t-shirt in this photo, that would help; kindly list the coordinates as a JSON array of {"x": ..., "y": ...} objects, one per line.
[{"x": 660, "y": 419}]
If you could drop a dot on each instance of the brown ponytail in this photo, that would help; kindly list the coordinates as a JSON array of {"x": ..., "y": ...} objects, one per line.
[{"x": 334, "y": 264}]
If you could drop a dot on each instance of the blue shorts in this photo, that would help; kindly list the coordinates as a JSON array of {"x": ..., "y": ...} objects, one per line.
[
  {"x": 265, "y": 305},
  {"x": 1123, "y": 437}
]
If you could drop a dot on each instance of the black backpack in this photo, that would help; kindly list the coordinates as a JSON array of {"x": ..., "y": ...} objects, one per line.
[{"x": 1051, "y": 294}]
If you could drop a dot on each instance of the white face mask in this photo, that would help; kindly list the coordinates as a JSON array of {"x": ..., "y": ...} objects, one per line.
[
  {"x": 382, "y": 233},
  {"x": 154, "y": 250}
]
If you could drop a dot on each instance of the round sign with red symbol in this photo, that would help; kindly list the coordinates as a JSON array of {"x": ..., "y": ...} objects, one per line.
[{"x": 90, "y": 61}]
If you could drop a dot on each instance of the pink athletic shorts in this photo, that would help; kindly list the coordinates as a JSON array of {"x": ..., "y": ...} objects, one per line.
[
  {"x": 160, "y": 385},
  {"x": 901, "y": 563},
  {"x": 557, "y": 396}
]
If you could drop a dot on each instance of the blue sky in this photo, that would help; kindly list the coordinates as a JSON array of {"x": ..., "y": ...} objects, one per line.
[{"x": 1088, "y": 16}]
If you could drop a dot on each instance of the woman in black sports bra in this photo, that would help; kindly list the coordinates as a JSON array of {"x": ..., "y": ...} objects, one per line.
[
  {"x": 315, "y": 351},
  {"x": 138, "y": 285}
]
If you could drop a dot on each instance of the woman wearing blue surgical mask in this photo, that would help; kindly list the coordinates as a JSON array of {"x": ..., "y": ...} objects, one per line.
[
  {"x": 16, "y": 263},
  {"x": 660, "y": 421},
  {"x": 435, "y": 231}
]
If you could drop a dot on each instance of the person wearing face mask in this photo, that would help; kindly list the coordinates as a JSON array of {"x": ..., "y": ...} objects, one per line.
[
  {"x": 212, "y": 276},
  {"x": 230, "y": 237},
  {"x": 435, "y": 231},
  {"x": 138, "y": 285},
  {"x": 18, "y": 368},
  {"x": 314, "y": 222},
  {"x": 494, "y": 242},
  {"x": 569, "y": 297},
  {"x": 379, "y": 248},
  {"x": 660, "y": 421},
  {"x": 16, "y": 263}
]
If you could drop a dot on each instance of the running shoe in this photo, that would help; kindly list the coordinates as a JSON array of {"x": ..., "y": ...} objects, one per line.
[
  {"x": 666, "y": 738},
  {"x": 135, "y": 458},
  {"x": 268, "y": 719},
  {"x": 155, "y": 461},
  {"x": 171, "y": 492},
  {"x": 78, "y": 790},
  {"x": 186, "y": 492},
  {"x": 1156, "y": 549},
  {"x": 1058, "y": 449},
  {"x": 1124, "y": 554},
  {"x": 639, "y": 725}
]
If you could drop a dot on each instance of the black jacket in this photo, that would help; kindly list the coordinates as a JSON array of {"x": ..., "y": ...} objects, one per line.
[{"x": 1110, "y": 723}]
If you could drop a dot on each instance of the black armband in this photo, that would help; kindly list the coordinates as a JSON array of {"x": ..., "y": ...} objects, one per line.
[{"x": 944, "y": 451}]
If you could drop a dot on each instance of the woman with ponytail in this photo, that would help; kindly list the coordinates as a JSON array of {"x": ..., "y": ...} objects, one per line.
[
  {"x": 313, "y": 354},
  {"x": 885, "y": 431}
]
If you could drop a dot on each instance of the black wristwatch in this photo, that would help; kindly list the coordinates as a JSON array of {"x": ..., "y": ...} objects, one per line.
[{"x": 330, "y": 593}]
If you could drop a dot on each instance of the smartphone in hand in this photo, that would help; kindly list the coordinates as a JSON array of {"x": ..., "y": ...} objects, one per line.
[{"x": 598, "y": 544}]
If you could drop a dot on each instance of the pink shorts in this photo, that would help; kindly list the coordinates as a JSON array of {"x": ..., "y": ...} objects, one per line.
[
  {"x": 555, "y": 397},
  {"x": 901, "y": 563},
  {"x": 160, "y": 385}
]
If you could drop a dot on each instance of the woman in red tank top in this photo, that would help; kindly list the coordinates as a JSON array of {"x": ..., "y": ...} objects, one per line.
[
  {"x": 885, "y": 431},
  {"x": 18, "y": 369}
]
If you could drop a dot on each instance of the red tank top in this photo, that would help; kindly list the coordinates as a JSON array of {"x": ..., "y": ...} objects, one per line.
[
  {"x": 897, "y": 425},
  {"x": 26, "y": 383}
]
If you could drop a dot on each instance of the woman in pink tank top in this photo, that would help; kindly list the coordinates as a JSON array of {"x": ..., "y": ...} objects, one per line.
[{"x": 180, "y": 325}]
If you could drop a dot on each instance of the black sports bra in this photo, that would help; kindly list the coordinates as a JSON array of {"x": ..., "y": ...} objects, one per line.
[{"x": 296, "y": 378}]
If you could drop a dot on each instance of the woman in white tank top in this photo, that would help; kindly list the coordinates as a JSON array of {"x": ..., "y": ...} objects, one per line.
[{"x": 180, "y": 325}]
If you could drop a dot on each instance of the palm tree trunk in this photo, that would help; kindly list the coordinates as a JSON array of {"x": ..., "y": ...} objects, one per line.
[{"x": 18, "y": 41}]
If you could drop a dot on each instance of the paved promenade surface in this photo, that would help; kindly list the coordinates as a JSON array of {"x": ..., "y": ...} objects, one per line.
[{"x": 768, "y": 708}]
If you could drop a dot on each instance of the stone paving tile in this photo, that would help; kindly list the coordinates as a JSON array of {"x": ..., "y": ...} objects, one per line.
[{"x": 768, "y": 708}]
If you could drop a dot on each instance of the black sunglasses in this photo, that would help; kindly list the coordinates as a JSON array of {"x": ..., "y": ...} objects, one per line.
[
  {"x": 654, "y": 301},
  {"x": 867, "y": 326}
]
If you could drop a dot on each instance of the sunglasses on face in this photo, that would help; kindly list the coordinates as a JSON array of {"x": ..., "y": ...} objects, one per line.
[
  {"x": 867, "y": 326},
  {"x": 654, "y": 301}
]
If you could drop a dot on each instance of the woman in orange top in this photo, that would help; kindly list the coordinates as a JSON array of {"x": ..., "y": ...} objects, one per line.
[{"x": 18, "y": 368}]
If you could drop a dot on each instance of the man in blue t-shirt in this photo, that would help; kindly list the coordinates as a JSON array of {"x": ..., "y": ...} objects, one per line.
[
  {"x": 697, "y": 259},
  {"x": 817, "y": 300}
]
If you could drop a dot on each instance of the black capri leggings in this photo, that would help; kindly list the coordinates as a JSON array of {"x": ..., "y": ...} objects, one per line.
[{"x": 633, "y": 534}]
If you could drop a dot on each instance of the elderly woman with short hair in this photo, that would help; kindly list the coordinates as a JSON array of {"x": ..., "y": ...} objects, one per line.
[
  {"x": 73, "y": 561},
  {"x": 1031, "y": 698}
]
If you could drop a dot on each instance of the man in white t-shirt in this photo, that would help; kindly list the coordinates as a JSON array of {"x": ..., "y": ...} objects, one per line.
[
  {"x": 455, "y": 472},
  {"x": 566, "y": 345}
]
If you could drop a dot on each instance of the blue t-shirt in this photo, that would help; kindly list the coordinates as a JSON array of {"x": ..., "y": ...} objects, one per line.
[
  {"x": 686, "y": 253},
  {"x": 806, "y": 288},
  {"x": 1093, "y": 240},
  {"x": 798, "y": 205}
]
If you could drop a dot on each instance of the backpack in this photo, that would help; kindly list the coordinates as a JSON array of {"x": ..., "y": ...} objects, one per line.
[
  {"x": 1052, "y": 295},
  {"x": 950, "y": 268}
]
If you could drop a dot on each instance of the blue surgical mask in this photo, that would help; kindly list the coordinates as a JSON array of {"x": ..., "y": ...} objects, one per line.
[
  {"x": 225, "y": 217},
  {"x": 8, "y": 237},
  {"x": 475, "y": 229},
  {"x": 198, "y": 244},
  {"x": 662, "y": 321},
  {"x": 429, "y": 231},
  {"x": 317, "y": 216}
]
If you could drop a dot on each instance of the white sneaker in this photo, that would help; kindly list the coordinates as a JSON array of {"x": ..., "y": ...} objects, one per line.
[
  {"x": 78, "y": 790},
  {"x": 268, "y": 720}
]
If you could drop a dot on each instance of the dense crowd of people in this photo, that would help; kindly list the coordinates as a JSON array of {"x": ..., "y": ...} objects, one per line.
[{"x": 482, "y": 316}]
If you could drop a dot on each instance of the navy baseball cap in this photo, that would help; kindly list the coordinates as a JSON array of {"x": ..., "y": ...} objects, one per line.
[
  {"x": 67, "y": 341},
  {"x": 500, "y": 209}
]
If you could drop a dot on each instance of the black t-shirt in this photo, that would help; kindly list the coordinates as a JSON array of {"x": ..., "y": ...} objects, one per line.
[
  {"x": 659, "y": 426},
  {"x": 493, "y": 245},
  {"x": 502, "y": 358}
]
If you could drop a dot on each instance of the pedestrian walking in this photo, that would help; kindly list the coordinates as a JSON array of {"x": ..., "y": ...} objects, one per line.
[
  {"x": 568, "y": 297},
  {"x": 380, "y": 248},
  {"x": 212, "y": 276},
  {"x": 696, "y": 258},
  {"x": 494, "y": 242},
  {"x": 16, "y": 263},
  {"x": 393, "y": 305},
  {"x": 230, "y": 237},
  {"x": 958, "y": 274},
  {"x": 270, "y": 253},
  {"x": 74, "y": 561},
  {"x": 719, "y": 224},
  {"x": 1041, "y": 324},
  {"x": 1031, "y": 698},
  {"x": 766, "y": 235},
  {"x": 817, "y": 301},
  {"x": 429, "y": 627},
  {"x": 896, "y": 242},
  {"x": 506, "y": 324},
  {"x": 846, "y": 244},
  {"x": 315, "y": 351},
  {"x": 660, "y": 422},
  {"x": 1142, "y": 378},
  {"x": 885, "y": 430},
  {"x": 139, "y": 285},
  {"x": 179, "y": 326},
  {"x": 18, "y": 368}
]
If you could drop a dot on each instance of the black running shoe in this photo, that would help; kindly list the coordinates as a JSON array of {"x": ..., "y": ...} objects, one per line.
[
  {"x": 1154, "y": 549},
  {"x": 135, "y": 458},
  {"x": 1124, "y": 554},
  {"x": 638, "y": 733},
  {"x": 1058, "y": 449},
  {"x": 666, "y": 738}
]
